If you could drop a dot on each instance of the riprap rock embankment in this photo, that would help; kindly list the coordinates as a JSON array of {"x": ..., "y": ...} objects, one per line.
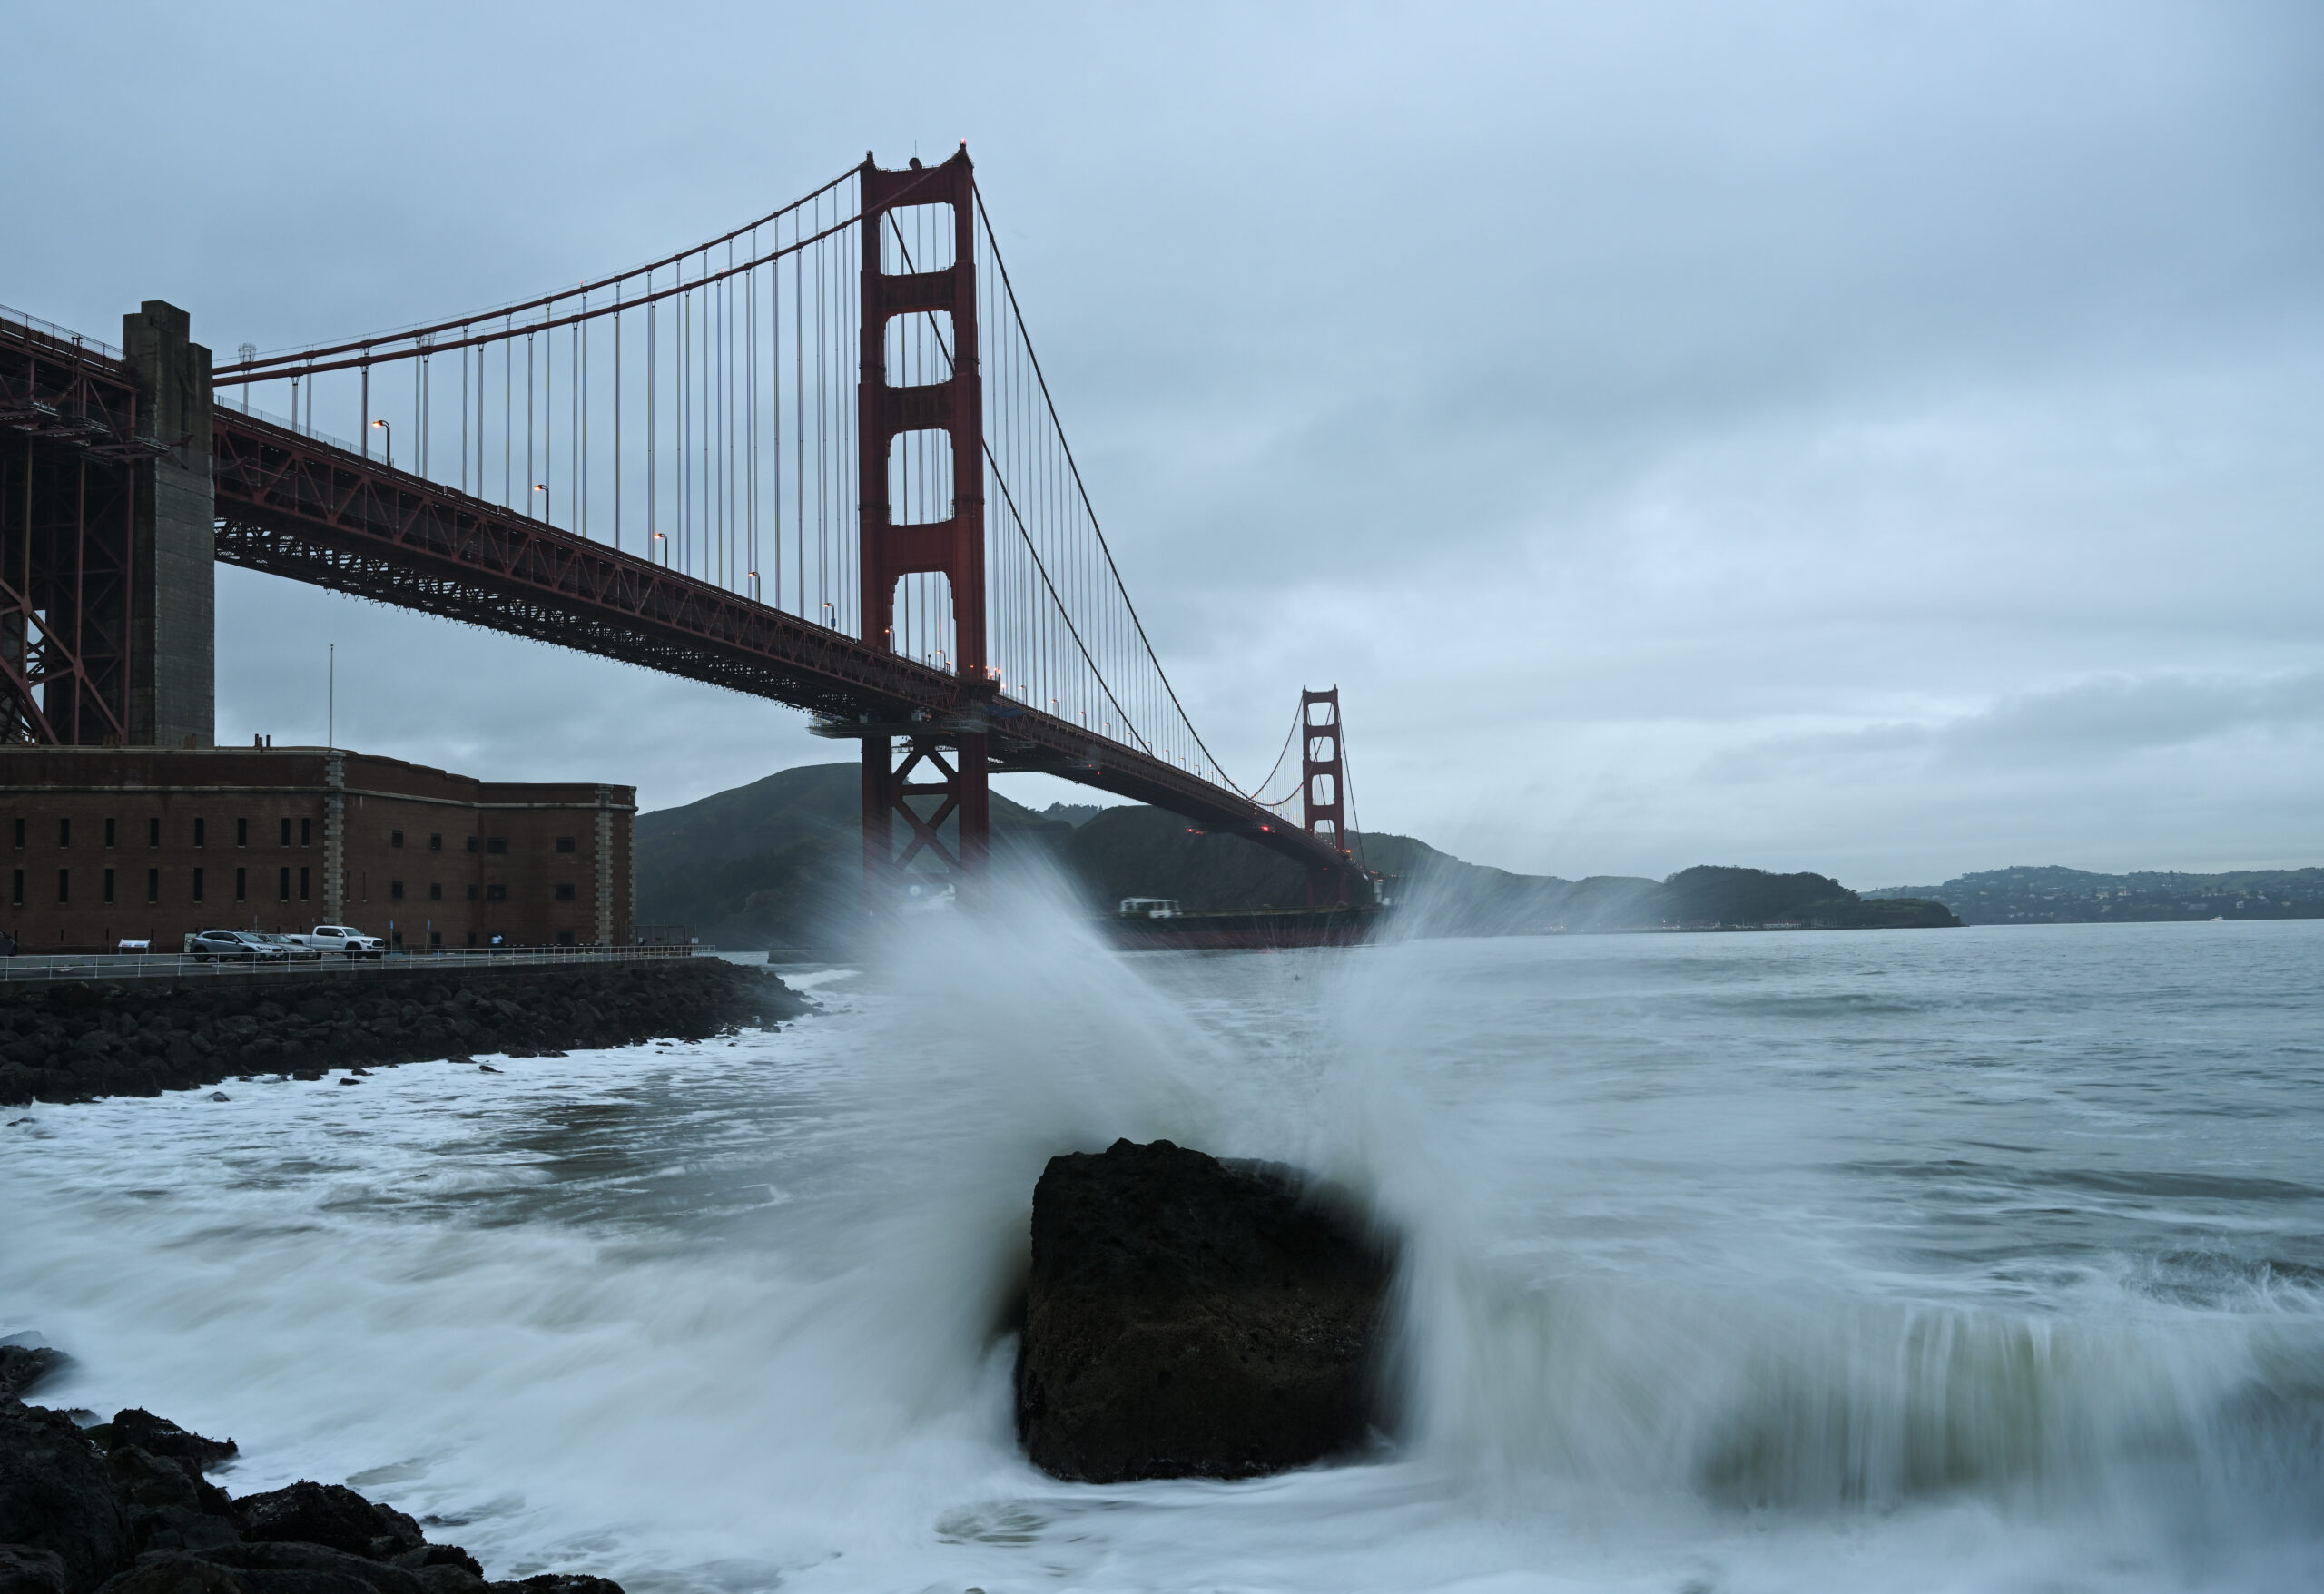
[{"x": 74, "y": 1041}]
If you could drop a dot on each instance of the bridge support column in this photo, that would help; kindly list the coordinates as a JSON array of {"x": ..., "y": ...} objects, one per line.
[
  {"x": 954, "y": 789},
  {"x": 1323, "y": 791},
  {"x": 942, "y": 781},
  {"x": 173, "y": 607}
]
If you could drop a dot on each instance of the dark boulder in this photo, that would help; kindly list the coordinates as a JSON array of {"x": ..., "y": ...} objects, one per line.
[
  {"x": 173, "y": 1571},
  {"x": 168, "y": 1504},
  {"x": 332, "y": 1515},
  {"x": 559, "y": 1583},
  {"x": 1186, "y": 1317},
  {"x": 311, "y": 1569},
  {"x": 23, "y": 1368},
  {"x": 164, "y": 1438},
  {"x": 27, "y": 1570},
  {"x": 56, "y": 1493}
]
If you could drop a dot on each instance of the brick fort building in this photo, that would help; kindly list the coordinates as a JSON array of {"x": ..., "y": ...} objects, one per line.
[{"x": 110, "y": 844}]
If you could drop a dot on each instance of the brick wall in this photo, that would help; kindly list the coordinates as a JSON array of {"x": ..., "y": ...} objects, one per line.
[{"x": 107, "y": 845}]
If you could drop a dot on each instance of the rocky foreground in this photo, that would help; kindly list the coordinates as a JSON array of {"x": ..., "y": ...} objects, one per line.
[
  {"x": 1189, "y": 1317},
  {"x": 125, "y": 1507},
  {"x": 74, "y": 1042}
]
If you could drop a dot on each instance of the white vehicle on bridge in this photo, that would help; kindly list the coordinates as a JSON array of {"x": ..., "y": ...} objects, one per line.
[{"x": 341, "y": 937}]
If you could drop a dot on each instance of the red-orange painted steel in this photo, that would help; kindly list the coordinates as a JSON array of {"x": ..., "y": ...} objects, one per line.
[
  {"x": 298, "y": 506},
  {"x": 1323, "y": 792},
  {"x": 952, "y": 547}
]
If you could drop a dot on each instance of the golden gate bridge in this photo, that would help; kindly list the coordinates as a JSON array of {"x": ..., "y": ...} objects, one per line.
[{"x": 815, "y": 458}]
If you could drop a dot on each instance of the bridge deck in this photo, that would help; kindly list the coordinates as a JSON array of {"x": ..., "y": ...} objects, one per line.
[{"x": 294, "y": 506}]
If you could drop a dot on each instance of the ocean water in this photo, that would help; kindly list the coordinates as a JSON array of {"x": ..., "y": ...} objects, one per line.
[{"x": 1986, "y": 1259}]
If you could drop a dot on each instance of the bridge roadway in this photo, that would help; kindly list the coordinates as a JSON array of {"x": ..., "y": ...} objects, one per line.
[
  {"x": 294, "y": 506},
  {"x": 297, "y": 505}
]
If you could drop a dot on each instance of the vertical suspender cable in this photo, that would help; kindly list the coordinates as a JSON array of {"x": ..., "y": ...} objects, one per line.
[{"x": 617, "y": 418}]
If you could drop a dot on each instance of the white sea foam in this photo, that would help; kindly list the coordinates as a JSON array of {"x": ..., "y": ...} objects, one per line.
[{"x": 1797, "y": 1262}]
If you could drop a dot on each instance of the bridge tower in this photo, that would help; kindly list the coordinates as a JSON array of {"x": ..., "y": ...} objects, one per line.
[
  {"x": 1323, "y": 791},
  {"x": 955, "y": 790},
  {"x": 106, "y": 575}
]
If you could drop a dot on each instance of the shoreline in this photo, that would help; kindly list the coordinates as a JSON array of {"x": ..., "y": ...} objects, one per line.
[{"x": 81, "y": 1041}]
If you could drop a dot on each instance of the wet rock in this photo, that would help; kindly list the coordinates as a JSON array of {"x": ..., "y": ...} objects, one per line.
[
  {"x": 428, "y": 1557},
  {"x": 27, "y": 1570},
  {"x": 1186, "y": 1317},
  {"x": 311, "y": 1568},
  {"x": 168, "y": 1504},
  {"x": 24, "y": 1368},
  {"x": 331, "y": 1515},
  {"x": 56, "y": 1493},
  {"x": 559, "y": 1583},
  {"x": 171, "y": 1571},
  {"x": 164, "y": 1438},
  {"x": 76, "y": 1043}
]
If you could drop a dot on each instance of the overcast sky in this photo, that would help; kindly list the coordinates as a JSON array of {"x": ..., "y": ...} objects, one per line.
[{"x": 1878, "y": 439}]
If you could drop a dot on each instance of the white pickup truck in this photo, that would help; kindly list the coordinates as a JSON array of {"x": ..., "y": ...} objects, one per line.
[{"x": 341, "y": 937}]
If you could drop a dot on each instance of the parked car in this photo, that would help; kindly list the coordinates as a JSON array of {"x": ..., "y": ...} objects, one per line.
[
  {"x": 215, "y": 946},
  {"x": 298, "y": 951},
  {"x": 341, "y": 937}
]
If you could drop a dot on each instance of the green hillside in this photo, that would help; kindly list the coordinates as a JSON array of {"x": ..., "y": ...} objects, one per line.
[{"x": 779, "y": 863}]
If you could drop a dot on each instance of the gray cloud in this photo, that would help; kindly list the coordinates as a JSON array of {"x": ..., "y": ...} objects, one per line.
[{"x": 1810, "y": 433}]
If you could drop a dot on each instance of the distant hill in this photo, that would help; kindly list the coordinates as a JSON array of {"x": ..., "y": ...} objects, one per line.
[
  {"x": 778, "y": 863},
  {"x": 2051, "y": 895},
  {"x": 774, "y": 863}
]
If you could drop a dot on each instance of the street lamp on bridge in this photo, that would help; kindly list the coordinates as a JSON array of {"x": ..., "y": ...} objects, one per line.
[
  {"x": 542, "y": 489},
  {"x": 391, "y": 432}
]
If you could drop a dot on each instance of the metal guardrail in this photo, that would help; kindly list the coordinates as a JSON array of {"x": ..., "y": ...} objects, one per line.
[
  {"x": 34, "y": 967},
  {"x": 48, "y": 329}
]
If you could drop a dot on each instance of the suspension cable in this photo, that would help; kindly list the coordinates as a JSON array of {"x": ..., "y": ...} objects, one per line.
[{"x": 1081, "y": 488}]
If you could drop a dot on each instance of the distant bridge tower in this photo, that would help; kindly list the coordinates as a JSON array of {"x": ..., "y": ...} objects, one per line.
[
  {"x": 954, "y": 788},
  {"x": 1323, "y": 791}
]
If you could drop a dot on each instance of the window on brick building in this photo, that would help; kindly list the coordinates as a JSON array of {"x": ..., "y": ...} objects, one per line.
[
  {"x": 563, "y": 937},
  {"x": 65, "y": 833},
  {"x": 242, "y": 833},
  {"x": 435, "y": 890},
  {"x": 286, "y": 831},
  {"x": 306, "y": 832},
  {"x": 395, "y": 838},
  {"x": 16, "y": 890},
  {"x": 108, "y": 885},
  {"x": 197, "y": 885},
  {"x": 302, "y": 885},
  {"x": 201, "y": 833},
  {"x": 435, "y": 843},
  {"x": 153, "y": 832},
  {"x": 435, "y": 938},
  {"x": 284, "y": 882},
  {"x": 394, "y": 891},
  {"x": 152, "y": 885},
  {"x": 471, "y": 938},
  {"x": 471, "y": 893},
  {"x": 109, "y": 832},
  {"x": 564, "y": 843},
  {"x": 471, "y": 840},
  {"x": 64, "y": 885},
  {"x": 495, "y": 844},
  {"x": 496, "y": 893},
  {"x": 242, "y": 885},
  {"x": 565, "y": 894},
  {"x": 20, "y": 832}
]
